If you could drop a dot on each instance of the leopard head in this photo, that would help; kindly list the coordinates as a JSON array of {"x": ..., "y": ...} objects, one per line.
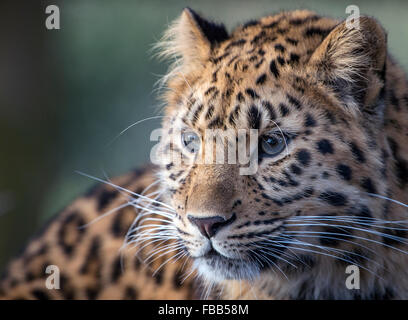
[{"x": 312, "y": 88}]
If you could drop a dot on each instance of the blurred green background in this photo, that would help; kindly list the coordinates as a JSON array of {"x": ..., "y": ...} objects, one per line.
[{"x": 65, "y": 94}]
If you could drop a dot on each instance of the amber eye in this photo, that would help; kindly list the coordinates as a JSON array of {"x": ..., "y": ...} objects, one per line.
[
  {"x": 272, "y": 144},
  {"x": 191, "y": 141}
]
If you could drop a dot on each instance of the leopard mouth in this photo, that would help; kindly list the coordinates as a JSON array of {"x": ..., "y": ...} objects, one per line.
[
  {"x": 214, "y": 254},
  {"x": 216, "y": 266}
]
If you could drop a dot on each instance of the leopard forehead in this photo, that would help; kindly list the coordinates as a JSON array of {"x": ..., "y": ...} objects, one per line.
[{"x": 259, "y": 59}]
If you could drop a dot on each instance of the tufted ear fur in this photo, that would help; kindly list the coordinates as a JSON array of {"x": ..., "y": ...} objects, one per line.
[
  {"x": 351, "y": 61},
  {"x": 191, "y": 38}
]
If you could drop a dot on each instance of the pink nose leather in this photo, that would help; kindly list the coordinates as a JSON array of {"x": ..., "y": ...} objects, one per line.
[{"x": 209, "y": 226}]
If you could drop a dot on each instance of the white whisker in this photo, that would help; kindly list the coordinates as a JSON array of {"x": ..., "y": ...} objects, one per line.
[{"x": 132, "y": 125}]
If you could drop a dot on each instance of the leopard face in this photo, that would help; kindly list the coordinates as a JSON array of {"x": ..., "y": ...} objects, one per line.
[{"x": 314, "y": 91}]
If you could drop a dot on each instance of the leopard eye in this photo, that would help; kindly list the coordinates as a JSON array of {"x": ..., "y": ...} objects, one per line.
[
  {"x": 272, "y": 144},
  {"x": 191, "y": 141}
]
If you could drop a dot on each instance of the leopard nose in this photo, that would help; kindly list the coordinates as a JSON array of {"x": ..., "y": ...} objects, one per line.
[{"x": 209, "y": 226}]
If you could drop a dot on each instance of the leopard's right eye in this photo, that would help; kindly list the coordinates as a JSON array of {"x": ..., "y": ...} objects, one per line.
[
  {"x": 191, "y": 141},
  {"x": 272, "y": 144}
]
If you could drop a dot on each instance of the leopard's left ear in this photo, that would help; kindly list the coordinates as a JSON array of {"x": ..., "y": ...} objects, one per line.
[
  {"x": 191, "y": 38},
  {"x": 351, "y": 62}
]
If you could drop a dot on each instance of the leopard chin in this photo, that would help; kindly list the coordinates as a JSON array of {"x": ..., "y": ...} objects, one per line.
[{"x": 217, "y": 268}]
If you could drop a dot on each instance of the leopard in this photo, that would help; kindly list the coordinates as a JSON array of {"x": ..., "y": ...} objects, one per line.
[{"x": 327, "y": 201}]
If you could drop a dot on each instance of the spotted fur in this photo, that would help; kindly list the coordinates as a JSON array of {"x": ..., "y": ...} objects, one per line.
[{"x": 335, "y": 197}]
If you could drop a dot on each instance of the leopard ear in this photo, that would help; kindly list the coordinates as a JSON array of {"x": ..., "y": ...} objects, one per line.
[
  {"x": 351, "y": 62},
  {"x": 191, "y": 38}
]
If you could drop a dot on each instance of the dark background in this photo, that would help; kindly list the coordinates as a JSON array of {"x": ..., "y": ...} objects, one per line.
[{"x": 65, "y": 94}]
